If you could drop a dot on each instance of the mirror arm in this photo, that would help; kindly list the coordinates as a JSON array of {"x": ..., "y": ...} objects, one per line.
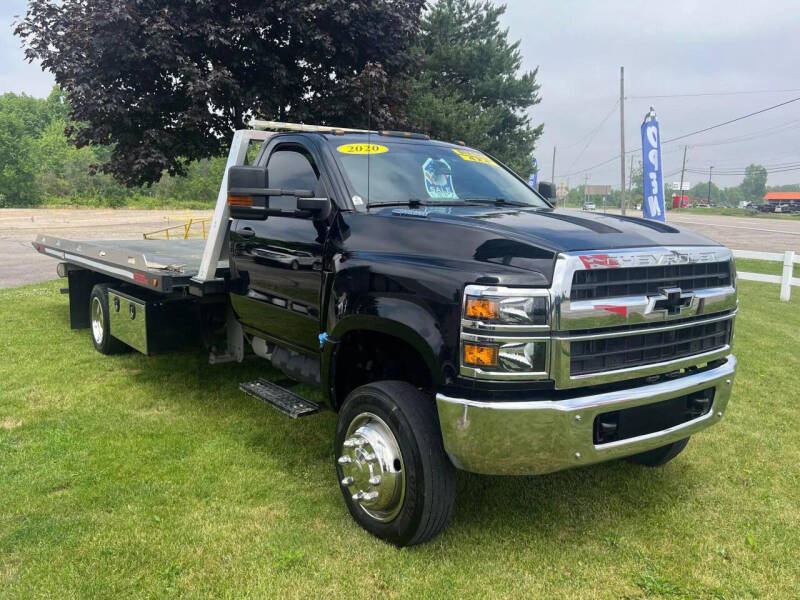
[{"x": 239, "y": 191}]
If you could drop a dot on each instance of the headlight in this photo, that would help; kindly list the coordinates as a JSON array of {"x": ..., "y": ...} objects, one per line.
[
  {"x": 505, "y": 333},
  {"x": 513, "y": 311}
]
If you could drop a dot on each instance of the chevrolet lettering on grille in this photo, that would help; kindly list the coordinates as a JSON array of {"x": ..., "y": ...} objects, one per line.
[{"x": 615, "y": 261}]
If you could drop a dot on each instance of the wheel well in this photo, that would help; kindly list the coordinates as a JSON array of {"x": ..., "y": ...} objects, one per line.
[{"x": 366, "y": 356}]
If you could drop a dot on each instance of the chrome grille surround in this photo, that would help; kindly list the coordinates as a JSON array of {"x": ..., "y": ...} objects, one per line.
[
  {"x": 633, "y": 315},
  {"x": 573, "y": 320}
]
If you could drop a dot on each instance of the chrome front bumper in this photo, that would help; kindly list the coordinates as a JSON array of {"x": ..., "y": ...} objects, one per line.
[{"x": 542, "y": 436}]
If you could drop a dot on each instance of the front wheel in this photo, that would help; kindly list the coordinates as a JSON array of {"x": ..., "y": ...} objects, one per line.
[
  {"x": 659, "y": 456},
  {"x": 394, "y": 474}
]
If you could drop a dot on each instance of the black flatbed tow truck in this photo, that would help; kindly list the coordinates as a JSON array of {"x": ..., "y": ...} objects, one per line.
[{"x": 450, "y": 315}]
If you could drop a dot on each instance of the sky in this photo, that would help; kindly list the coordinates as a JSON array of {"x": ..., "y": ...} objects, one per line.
[
  {"x": 667, "y": 48},
  {"x": 743, "y": 53}
]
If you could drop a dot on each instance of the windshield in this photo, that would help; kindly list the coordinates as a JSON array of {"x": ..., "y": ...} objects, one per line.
[{"x": 400, "y": 172}]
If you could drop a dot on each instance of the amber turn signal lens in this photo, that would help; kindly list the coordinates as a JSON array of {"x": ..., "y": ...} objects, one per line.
[
  {"x": 480, "y": 308},
  {"x": 240, "y": 201},
  {"x": 483, "y": 356}
]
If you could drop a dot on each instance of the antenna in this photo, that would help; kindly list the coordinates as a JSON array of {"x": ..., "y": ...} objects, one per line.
[{"x": 369, "y": 132}]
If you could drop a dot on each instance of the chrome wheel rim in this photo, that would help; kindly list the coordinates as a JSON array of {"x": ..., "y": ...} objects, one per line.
[
  {"x": 97, "y": 320},
  {"x": 372, "y": 467}
]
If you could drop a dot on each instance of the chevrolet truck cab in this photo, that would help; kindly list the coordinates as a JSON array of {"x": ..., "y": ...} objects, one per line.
[{"x": 448, "y": 313}]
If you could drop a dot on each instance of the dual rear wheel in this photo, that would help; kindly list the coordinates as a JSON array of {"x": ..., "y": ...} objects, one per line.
[{"x": 103, "y": 341}]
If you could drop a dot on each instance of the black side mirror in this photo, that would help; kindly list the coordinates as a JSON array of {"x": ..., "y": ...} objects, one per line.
[
  {"x": 246, "y": 187},
  {"x": 248, "y": 196},
  {"x": 547, "y": 190},
  {"x": 318, "y": 208}
]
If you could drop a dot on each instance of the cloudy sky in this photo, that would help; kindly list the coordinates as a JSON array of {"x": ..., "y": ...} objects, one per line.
[
  {"x": 668, "y": 48},
  {"x": 743, "y": 54}
]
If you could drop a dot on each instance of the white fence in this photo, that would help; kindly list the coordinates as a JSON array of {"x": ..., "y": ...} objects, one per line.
[{"x": 786, "y": 280}]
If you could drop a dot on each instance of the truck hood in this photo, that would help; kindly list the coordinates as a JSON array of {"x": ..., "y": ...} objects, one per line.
[{"x": 567, "y": 230}]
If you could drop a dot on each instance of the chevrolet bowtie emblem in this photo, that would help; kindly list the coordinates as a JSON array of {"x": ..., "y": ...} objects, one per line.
[{"x": 672, "y": 300}]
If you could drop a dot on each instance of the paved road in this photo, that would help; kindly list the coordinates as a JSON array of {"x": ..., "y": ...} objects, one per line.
[
  {"x": 740, "y": 233},
  {"x": 20, "y": 264},
  {"x": 744, "y": 233}
]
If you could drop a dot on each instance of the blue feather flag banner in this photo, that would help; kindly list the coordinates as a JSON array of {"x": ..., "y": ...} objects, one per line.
[{"x": 653, "y": 205}]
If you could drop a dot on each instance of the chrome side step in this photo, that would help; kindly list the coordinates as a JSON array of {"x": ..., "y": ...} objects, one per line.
[{"x": 279, "y": 398}]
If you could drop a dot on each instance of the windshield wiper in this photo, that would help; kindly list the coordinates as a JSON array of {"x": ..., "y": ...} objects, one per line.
[
  {"x": 416, "y": 202},
  {"x": 498, "y": 202}
]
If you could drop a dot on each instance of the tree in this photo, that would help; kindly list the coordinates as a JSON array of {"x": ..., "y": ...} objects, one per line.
[
  {"x": 637, "y": 188},
  {"x": 754, "y": 184},
  {"x": 166, "y": 81},
  {"x": 699, "y": 192},
  {"x": 20, "y": 117},
  {"x": 468, "y": 84}
]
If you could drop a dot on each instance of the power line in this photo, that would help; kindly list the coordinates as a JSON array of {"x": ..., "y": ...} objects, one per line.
[
  {"x": 752, "y": 114},
  {"x": 777, "y": 168},
  {"x": 685, "y": 135},
  {"x": 751, "y": 136},
  {"x": 595, "y": 129},
  {"x": 698, "y": 94},
  {"x": 593, "y": 134}
]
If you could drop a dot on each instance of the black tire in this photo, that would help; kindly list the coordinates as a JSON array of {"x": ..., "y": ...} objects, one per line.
[
  {"x": 429, "y": 476},
  {"x": 659, "y": 456},
  {"x": 102, "y": 339}
]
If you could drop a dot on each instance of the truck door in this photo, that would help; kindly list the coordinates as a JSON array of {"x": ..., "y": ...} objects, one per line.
[{"x": 279, "y": 260}]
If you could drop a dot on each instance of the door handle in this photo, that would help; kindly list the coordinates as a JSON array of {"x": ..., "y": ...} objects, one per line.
[{"x": 246, "y": 232}]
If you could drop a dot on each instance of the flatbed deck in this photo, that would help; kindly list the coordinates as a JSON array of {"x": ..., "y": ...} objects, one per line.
[{"x": 159, "y": 265}]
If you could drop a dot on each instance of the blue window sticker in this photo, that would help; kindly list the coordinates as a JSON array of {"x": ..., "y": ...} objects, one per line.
[{"x": 439, "y": 179}]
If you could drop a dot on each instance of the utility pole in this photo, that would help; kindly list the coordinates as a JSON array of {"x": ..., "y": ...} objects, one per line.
[
  {"x": 709, "y": 184},
  {"x": 553, "y": 171},
  {"x": 630, "y": 179},
  {"x": 622, "y": 138},
  {"x": 683, "y": 170},
  {"x": 586, "y": 188}
]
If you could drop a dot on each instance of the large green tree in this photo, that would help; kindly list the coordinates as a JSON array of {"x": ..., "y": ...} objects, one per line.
[
  {"x": 468, "y": 84},
  {"x": 754, "y": 184},
  {"x": 21, "y": 117},
  {"x": 164, "y": 82}
]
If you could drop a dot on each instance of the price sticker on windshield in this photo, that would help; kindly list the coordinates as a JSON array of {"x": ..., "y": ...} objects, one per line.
[
  {"x": 362, "y": 149},
  {"x": 472, "y": 156}
]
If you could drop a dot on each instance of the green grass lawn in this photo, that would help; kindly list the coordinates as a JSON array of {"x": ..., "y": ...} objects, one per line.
[
  {"x": 732, "y": 212},
  {"x": 155, "y": 477},
  {"x": 751, "y": 265}
]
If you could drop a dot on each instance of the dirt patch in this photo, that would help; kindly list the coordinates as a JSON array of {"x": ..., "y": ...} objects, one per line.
[{"x": 10, "y": 423}]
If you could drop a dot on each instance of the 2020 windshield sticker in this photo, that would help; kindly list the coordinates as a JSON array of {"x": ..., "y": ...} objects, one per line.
[
  {"x": 472, "y": 156},
  {"x": 439, "y": 179},
  {"x": 362, "y": 149}
]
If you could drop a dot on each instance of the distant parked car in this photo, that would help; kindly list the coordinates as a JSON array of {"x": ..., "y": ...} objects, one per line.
[
  {"x": 293, "y": 259},
  {"x": 589, "y": 206}
]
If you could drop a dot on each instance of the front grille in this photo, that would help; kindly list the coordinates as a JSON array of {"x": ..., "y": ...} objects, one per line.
[
  {"x": 594, "y": 284},
  {"x": 608, "y": 354}
]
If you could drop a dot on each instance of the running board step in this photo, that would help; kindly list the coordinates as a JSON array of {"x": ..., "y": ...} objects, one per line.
[{"x": 279, "y": 398}]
